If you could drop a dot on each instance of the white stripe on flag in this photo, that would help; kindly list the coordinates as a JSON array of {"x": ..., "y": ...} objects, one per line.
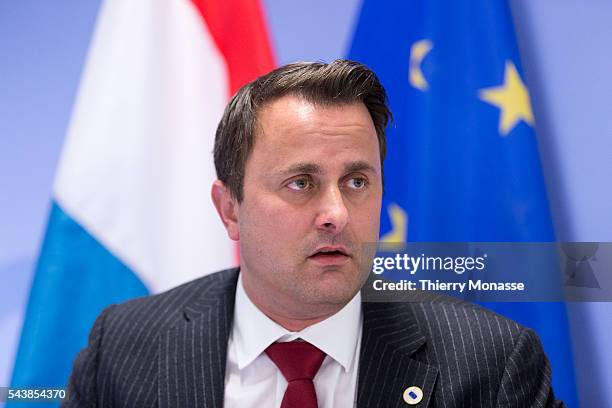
[{"x": 137, "y": 165}]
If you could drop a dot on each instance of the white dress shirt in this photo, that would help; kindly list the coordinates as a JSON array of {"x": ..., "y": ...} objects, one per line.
[{"x": 253, "y": 380}]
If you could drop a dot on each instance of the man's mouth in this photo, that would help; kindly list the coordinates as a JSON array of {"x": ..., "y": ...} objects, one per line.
[{"x": 330, "y": 255}]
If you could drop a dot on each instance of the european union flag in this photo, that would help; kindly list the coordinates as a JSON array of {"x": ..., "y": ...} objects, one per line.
[{"x": 462, "y": 161}]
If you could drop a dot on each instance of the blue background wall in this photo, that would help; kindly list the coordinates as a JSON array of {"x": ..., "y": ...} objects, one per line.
[{"x": 568, "y": 62}]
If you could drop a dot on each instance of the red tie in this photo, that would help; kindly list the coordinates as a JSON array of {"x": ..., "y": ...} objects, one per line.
[{"x": 299, "y": 362}]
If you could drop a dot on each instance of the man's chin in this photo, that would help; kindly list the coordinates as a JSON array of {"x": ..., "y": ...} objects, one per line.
[{"x": 333, "y": 290}]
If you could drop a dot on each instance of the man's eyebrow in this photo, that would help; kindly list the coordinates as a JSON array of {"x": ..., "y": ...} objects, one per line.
[
  {"x": 309, "y": 168},
  {"x": 359, "y": 166}
]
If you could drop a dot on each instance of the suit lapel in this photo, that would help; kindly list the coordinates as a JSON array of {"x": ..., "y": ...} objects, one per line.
[
  {"x": 192, "y": 354},
  {"x": 386, "y": 367}
]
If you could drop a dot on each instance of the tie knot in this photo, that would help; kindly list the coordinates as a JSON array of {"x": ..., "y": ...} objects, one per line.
[{"x": 297, "y": 360}]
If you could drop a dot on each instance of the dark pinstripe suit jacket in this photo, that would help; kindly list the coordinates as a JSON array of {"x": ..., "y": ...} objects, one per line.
[{"x": 169, "y": 350}]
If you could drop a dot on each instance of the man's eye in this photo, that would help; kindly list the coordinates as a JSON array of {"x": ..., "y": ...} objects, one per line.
[
  {"x": 357, "y": 183},
  {"x": 300, "y": 184}
]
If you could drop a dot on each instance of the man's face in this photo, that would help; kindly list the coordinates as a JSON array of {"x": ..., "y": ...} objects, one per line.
[{"x": 312, "y": 185}]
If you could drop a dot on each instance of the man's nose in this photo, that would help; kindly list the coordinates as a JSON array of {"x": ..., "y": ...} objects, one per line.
[{"x": 333, "y": 215}]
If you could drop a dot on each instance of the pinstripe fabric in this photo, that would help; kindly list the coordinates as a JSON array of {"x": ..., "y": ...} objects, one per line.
[{"x": 169, "y": 350}]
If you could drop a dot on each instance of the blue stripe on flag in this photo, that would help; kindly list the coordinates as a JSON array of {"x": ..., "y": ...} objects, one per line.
[{"x": 76, "y": 277}]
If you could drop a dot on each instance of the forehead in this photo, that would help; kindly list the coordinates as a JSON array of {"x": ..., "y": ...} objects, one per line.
[{"x": 291, "y": 127}]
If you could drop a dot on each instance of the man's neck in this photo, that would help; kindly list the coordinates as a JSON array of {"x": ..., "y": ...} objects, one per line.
[{"x": 290, "y": 323}]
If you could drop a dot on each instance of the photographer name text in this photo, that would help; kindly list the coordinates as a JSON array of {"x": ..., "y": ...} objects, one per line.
[{"x": 437, "y": 285}]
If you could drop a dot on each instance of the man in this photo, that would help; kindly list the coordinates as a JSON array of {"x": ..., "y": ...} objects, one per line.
[{"x": 299, "y": 156}]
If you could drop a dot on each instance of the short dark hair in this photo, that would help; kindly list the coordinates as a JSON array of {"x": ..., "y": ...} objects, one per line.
[{"x": 337, "y": 83}]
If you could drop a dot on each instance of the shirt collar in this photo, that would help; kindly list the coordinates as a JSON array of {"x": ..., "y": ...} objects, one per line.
[{"x": 253, "y": 331}]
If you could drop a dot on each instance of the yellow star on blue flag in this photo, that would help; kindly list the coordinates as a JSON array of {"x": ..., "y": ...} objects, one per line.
[{"x": 512, "y": 99}]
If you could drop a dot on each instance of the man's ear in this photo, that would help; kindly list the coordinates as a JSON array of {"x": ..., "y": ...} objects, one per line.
[{"x": 227, "y": 208}]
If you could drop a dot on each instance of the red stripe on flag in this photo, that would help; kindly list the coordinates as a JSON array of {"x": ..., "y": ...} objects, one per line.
[{"x": 239, "y": 31}]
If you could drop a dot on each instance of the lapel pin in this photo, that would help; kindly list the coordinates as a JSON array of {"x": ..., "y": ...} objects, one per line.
[{"x": 413, "y": 395}]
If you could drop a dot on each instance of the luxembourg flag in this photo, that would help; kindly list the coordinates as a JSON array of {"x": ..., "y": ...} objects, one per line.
[{"x": 131, "y": 212}]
